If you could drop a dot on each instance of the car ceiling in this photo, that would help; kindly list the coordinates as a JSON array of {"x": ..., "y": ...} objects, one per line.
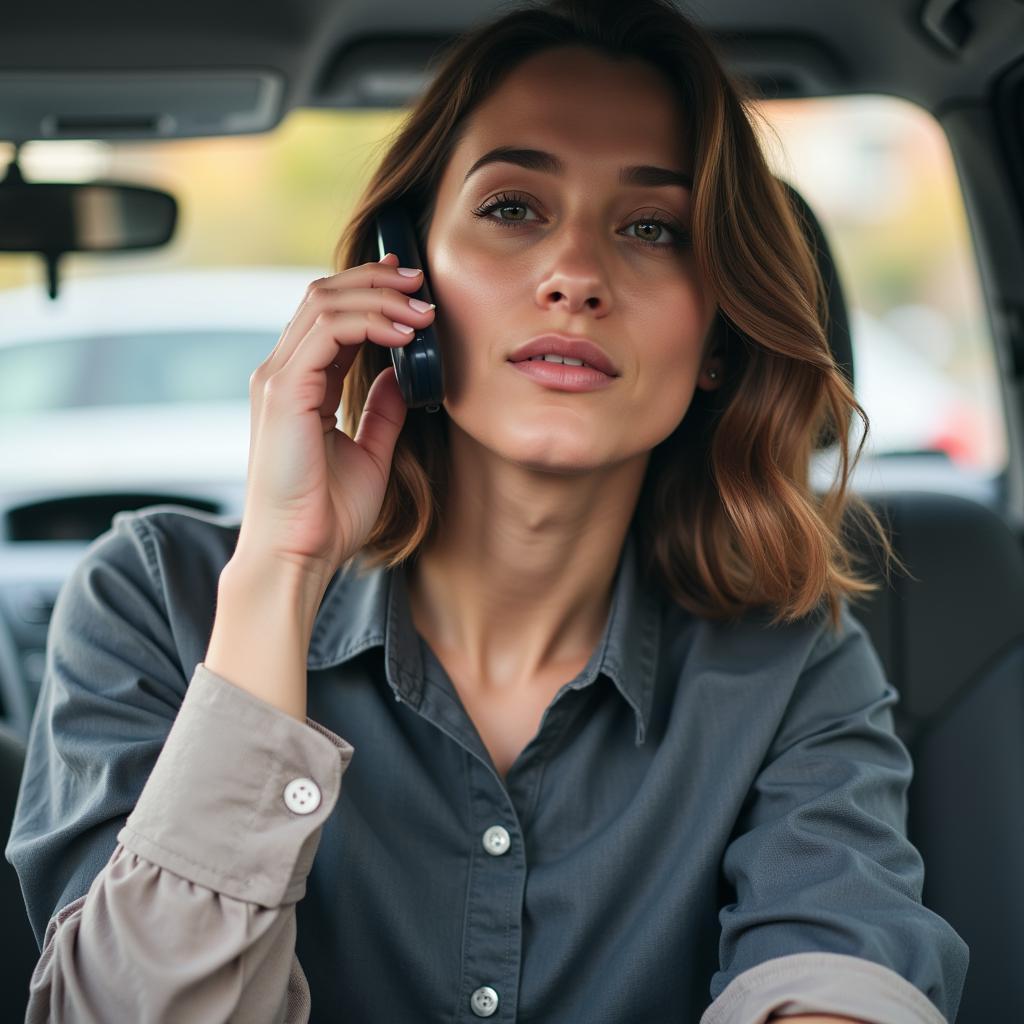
[{"x": 367, "y": 52}]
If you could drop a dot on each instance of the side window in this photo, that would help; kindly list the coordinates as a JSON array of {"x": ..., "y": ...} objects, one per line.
[{"x": 879, "y": 174}]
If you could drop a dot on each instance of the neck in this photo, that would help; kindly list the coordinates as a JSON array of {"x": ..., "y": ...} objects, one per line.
[{"x": 519, "y": 581}]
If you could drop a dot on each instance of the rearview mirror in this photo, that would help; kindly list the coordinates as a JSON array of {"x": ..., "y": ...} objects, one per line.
[{"x": 53, "y": 219}]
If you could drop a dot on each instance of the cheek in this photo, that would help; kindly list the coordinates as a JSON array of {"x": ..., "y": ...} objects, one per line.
[
  {"x": 669, "y": 326},
  {"x": 471, "y": 292},
  {"x": 476, "y": 325},
  {"x": 668, "y": 329}
]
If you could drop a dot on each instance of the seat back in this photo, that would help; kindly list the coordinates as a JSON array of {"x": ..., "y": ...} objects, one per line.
[
  {"x": 952, "y": 643},
  {"x": 951, "y": 639},
  {"x": 20, "y": 952}
]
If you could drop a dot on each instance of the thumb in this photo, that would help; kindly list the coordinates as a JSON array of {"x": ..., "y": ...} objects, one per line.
[{"x": 382, "y": 419}]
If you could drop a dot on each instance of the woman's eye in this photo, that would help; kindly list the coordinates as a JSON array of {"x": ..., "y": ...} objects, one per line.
[
  {"x": 654, "y": 227},
  {"x": 503, "y": 202},
  {"x": 678, "y": 239}
]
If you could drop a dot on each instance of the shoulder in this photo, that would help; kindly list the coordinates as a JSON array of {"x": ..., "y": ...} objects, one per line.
[
  {"x": 168, "y": 541},
  {"x": 162, "y": 562},
  {"x": 751, "y": 667},
  {"x": 753, "y": 642}
]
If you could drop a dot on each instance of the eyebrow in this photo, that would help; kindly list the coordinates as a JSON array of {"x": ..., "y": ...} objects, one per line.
[{"x": 539, "y": 160}]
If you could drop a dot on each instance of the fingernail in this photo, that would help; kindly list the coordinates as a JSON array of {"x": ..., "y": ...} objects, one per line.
[
  {"x": 404, "y": 328},
  {"x": 408, "y": 271},
  {"x": 420, "y": 306}
]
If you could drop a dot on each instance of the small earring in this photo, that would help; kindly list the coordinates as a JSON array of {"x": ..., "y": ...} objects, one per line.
[{"x": 713, "y": 374}]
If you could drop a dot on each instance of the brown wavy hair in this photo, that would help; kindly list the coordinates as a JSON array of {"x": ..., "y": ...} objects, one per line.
[{"x": 726, "y": 519}]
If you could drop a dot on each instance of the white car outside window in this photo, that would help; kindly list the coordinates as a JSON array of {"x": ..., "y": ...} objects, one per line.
[{"x": 152, "y": 370}]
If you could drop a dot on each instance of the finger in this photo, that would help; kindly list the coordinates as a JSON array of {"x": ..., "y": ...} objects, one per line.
[
  {"x": 325, "y": 293},
  {"x": 382, "y": 419},
  {"x": 336, "y": 374},
  {"x": 298, "y": 322},
  {"x": 336, "y": 337}
]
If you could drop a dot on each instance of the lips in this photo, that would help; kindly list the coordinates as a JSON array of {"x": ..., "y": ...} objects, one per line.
[
  {"x": 561, "y": 377},
  {"x": 566, "y": 345}
]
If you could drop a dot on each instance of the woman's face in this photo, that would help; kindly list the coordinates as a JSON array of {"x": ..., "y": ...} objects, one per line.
[{"x": 575, "y": 252}]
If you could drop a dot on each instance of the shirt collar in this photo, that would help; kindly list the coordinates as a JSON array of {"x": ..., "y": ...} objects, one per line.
[{"x": 367, "y": 607}]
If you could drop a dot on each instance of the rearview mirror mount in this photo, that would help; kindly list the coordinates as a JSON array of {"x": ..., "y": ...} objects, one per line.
[{"x": 55, "y": 218}]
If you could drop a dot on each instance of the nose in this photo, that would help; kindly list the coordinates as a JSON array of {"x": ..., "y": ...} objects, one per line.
[{"x": 574, "y": 279}]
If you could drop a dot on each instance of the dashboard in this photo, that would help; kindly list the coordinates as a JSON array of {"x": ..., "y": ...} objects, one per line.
[{"x": 42, "y": 539}]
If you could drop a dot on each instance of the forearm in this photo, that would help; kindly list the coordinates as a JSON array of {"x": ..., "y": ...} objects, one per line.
[{"x": 262, "y": 629}]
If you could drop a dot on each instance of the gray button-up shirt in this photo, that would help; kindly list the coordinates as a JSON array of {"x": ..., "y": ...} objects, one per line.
[{"x": 709, "y": 825}]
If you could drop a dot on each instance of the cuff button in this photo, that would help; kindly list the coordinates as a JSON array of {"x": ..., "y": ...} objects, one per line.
[{"x": 302, "y": 796}]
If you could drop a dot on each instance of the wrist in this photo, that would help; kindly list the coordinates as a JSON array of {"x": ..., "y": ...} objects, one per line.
[
  {"x": 262, "y": 629},
  {"x": 302, "y": 584}
]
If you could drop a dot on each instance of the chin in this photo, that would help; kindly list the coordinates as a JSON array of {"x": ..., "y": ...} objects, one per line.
[
  {"x": 548, "y": 457},
  {"x": 533, "y": 439}
]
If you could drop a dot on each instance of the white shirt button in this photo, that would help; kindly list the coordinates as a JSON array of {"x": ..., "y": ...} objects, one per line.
[
  {"x": 484, "y": 1001},
  {"x": 302, "y": 796},
  {"x": 496, "y": 840}
]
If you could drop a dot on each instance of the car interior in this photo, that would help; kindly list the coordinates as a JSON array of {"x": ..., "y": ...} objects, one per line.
[{"x": 950, "y": 634}]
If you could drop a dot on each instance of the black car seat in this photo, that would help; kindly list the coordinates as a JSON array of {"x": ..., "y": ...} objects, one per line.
[
  {"x": 20, "y": 952},
  {"x": 951, "y": 640}
]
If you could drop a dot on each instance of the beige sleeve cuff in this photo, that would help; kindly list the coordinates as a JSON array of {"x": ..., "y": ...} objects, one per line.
[
  {"x": 238, "y": 796},
  {"x": 822, "y": 983}
]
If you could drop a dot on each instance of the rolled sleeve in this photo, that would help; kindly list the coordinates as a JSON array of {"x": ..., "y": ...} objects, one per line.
[
  {"x": 147, "y": 945},
  {"x": 193, "y": 916},
  {"x": 828, "y": 917},
  {"x": 806, "y": 982},
  {"x": 215, "y": 809}
]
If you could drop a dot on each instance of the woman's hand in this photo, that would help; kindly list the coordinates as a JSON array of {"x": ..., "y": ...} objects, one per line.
[{"x": 313, "y": 493}]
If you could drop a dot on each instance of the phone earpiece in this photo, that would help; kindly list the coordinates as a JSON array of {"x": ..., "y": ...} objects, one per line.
[{"x": 418, "y": 363}]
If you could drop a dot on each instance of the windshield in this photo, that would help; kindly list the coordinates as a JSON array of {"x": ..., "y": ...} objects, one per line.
[{"x": 135, "y": 335}]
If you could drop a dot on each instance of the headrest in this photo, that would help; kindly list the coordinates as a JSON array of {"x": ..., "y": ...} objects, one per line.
[{"x": 838, "y": 331}]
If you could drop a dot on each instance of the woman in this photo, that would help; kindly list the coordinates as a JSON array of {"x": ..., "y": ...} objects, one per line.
[{"x": 613, "y": 746}]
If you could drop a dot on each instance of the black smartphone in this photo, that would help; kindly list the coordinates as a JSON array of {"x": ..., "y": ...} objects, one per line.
[{"x": 417, "y": 363}]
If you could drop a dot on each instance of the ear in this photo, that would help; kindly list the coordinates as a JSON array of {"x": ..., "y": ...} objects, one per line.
[
  {"x": 712, "y": 366},
  {"x": 711, "y": 357},
  {"x": 711, "y": 372}
]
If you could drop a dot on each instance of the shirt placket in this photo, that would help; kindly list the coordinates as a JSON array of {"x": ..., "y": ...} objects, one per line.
[
  {"x": 493, "y": 932},
  {"x": 492, "y": 938}
]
